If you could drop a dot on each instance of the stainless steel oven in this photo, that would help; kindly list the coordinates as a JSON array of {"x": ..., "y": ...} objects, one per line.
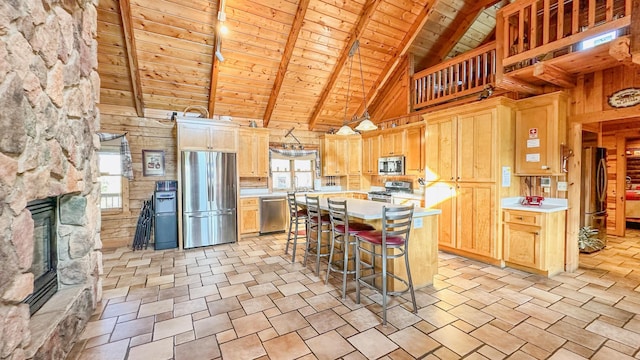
[{"x": 380, "y": 196}]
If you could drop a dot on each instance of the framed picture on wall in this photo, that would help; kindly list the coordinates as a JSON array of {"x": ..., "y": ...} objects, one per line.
[{"x": 153, "y": 162}]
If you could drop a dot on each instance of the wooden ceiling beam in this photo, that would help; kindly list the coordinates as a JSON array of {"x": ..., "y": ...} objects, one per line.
[
  {"x": 635, "y": 31},
  {"x": 512, "y": 84},
  {"x": 554, "y": 75},
  {"x": 364, "y": 19},
  {"x": 132, "y": 57},
  {"x": 286, "y": 58},
  {"x": 391, "y": 66},
  {"x": 215, "y": 66},
  {"x": 463, "y": 22}
]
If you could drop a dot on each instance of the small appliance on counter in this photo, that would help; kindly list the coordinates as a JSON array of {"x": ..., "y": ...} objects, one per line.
[
  {"x": 532, "y": 200},
  {"x": 393, "y": 165}
]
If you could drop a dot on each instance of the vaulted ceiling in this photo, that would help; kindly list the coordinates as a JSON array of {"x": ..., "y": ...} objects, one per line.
[{"x": 286, "y": 62}]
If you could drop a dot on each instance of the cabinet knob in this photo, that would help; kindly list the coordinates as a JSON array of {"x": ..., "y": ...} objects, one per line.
[
  {"x": 518, "y": 217},
  {"x": 452, "y": 178},
  {"x": 536, "y": 233}
]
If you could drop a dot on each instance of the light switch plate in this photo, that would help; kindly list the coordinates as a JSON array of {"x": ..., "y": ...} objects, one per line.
[
  {"x": 562, "y": 186},
  {"x": 545, "y": 182}
]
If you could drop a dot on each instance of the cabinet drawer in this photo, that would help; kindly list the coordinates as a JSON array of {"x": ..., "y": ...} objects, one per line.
[
  {"x": 249, "y": 202},
  {"x": 522, "y": 217}
]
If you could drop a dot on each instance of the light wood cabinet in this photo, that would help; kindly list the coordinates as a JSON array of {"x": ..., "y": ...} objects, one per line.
[
  {"x": 540, "y": 130},
  {"x": 534, "y": 241},
  {"x": 370, "y": 154},
  {"x": 253, "y": 152},
  {"x": 341, "y": 155},
  {"x": 466, "y": 150},
  {"x": 415, "y": 151},
  {"x": 392, "y": 143},
  {"x": 207, "y": 135},
  {"x": 249, "y": 215},
  {"x": 354, "y": 151}
]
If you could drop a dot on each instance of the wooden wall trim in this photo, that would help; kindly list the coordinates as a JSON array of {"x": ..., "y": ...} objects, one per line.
[
  {"x": 368, "y": 11},
  {"x": 605, "y": 115},
  {"x": 286, "y": 58},
  {"x": 635, "y": 32},
  {"x": 132, "y": 57}
]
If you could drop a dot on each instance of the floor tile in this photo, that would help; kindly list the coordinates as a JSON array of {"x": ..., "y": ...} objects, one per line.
[
  {"x": 97, "y": 328},
  {"x": 362, "y": 319},
  {"x": 154, "y": 308},
  {"x": 248, "y": 347},
  {"x": 250, "y": 324},
  {"x": 498, "y": 338},
  {"x": 414, "y": 341},
  {"x": 111, "y": 351},
  {"x": 286, "y": 347},
  {"x": 172, "y": 327},
  {"x": 288, "y": 322},
  {"x": 372, "y": 343},
  {"x": 455, "y": 340},
  {"x": 201, "y": 349},
  {"x": 212, "y": 325},
  {"x": 329, "y": 345},
  {"x": 157, "y": 350},
  {"x": 132, "y": 328}
]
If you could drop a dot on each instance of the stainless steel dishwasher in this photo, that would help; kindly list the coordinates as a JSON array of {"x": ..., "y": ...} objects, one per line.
[{"x": 273, "y": 215}]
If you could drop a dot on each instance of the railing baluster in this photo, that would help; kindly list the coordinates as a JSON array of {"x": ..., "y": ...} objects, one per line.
[
  {"x": 450, "y": 87},
  {"x": 546, "y": 18},
  {"x": 575, "y": 17},
  {"x": 609, "y": 10},
  {"x": 520, "y": 31},
  {"x": 560, "y": 29},
  {"x": 592, "y": 13},
  {"x": 627, "y": 7},
  {"x": 533, "y": 37}
]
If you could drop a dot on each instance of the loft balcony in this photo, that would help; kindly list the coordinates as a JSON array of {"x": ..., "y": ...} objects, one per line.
[{"x": 550, "y": 42}]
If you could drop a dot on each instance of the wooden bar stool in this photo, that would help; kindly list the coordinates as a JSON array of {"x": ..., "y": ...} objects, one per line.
[
  {"x": 318, "y": 224},
  {"x": 342, "y": 232},
  {"x": 396, "y": 227},
  {"x": 297, "y": 217}
]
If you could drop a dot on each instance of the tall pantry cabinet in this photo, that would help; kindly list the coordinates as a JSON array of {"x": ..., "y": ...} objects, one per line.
[{"x": 469, "y": 164}]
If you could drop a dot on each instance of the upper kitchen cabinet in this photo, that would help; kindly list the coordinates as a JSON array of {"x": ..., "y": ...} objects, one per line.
[
  {"x": 415, "y": 150},
  {"x": 207, "y": 134},
  {"x": 540, "y": 131},
  {"x": 392, "y": 143},
  {"x": 253, "y": 153},
  {"x": 354, "y": 151},
  {"x": 334, "y": 154},
  {"x": 370, "y": 154},
  {"x": 467, "y": 144}
]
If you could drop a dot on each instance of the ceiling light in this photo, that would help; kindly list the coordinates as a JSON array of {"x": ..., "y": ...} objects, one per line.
[
  {"x": 224, "y": 30},
  {"x": 366, "y": 124},
  {"x": 346, "y": 130}
]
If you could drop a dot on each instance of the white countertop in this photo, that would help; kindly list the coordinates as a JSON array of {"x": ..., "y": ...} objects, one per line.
[
  {"x": 251, "y": 193},
  {"x": 549, "y": 205},
  {"x": 371, "y": 210}
]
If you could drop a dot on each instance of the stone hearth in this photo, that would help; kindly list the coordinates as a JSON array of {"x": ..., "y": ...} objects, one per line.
[{"x": 49, "y": 88}]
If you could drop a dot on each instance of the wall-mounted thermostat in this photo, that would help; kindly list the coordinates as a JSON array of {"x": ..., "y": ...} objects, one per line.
[{"x": 545, "y": 182}]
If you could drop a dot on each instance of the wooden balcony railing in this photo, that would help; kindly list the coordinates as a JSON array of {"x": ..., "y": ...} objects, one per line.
[
  {"x": 531, "y": 30},
  {"x": 463, "y": 75}
]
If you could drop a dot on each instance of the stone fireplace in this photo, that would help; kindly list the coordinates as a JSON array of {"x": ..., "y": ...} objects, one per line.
[{"x": 49, "y": 87}]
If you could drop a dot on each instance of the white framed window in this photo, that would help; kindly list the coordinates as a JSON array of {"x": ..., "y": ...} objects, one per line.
[
  {"x": 292, "y": 174},
  {"x": 111, "y": 181}
]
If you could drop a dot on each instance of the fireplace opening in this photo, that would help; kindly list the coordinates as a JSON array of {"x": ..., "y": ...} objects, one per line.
[{"x": 45, "y": 256}]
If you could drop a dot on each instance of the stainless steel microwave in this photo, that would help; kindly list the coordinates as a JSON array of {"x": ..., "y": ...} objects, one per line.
[{"x": 393, "y": 165}]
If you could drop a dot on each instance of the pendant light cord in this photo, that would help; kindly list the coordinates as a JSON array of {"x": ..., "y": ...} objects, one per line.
[
  {"x": 364, "y": 96},
  {"x": 348, "y": 91}
]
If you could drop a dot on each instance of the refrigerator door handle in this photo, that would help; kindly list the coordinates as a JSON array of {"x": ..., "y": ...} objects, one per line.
[{"x": 602, "y": 180}]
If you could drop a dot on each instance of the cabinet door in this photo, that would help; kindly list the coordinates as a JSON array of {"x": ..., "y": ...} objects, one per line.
[
  {"x": 476, "y": 212},
  {"x": 414, "y": 162},
  {"x": 262, "y": 154},
  {"x": 399, "y": 140},
  {"x": 370, "y": 154},
  {"x": 334, "y": 157},
  {"x": 246, "y": 154},
  {"x": 193, "y": 136},
  {"x": 223, "y": 139},
  {"x": 354, "y": 151},
  {"x": 522, "y": 244},
  {"x": 442, "y": 196},
  {"x": 476, "y": 148},
  {"x": 440, "y": 151}
]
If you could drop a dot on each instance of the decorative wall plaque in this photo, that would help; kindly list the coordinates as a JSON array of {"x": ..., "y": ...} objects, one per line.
[{"x": 625, "y": 98}]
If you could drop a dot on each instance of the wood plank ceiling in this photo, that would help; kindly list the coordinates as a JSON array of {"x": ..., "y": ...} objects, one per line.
[{"x": 286, "y": 62}]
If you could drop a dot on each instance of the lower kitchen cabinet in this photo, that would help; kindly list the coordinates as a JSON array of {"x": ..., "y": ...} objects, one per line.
[
  {"x": 249, "y": 215},
  {"x": 534, "y": 241}
]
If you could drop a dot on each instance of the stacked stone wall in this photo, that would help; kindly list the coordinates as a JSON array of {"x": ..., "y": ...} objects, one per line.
[{"x": 49, "y": 87}]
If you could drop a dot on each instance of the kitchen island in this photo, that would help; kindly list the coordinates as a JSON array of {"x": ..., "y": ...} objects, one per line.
[{"x": 423, "y": 239}]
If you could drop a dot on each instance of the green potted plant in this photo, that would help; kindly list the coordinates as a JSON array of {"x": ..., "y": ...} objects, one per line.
[{"x": 588, "y": 240}]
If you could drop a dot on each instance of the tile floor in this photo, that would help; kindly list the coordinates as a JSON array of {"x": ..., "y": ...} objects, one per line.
[{"x": 246, "y": 301}]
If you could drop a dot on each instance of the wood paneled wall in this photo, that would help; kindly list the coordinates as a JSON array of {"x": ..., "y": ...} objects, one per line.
[{"x": 394, "y": 100}]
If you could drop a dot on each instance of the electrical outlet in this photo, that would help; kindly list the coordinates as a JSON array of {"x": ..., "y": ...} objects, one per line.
[{"x": 562, "y": 186}]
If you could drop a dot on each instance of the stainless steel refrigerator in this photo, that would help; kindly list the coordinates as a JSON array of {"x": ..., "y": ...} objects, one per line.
[
  {"x": 594, "y": 190},
  {"x": 209, "y": 198}
]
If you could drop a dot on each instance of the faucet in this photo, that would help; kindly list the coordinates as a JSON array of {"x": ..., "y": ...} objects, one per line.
[{"x": 295, "y": 183}]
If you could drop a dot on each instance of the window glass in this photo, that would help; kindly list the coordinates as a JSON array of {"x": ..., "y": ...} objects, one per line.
[
  {"x": 110, "y": 179},
  {"x": 292, "y": 174}
]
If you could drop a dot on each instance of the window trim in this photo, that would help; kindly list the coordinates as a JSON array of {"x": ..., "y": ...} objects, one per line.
[
  {"x": 124, "y": 209},
  {"x": 292, "y": 170}
]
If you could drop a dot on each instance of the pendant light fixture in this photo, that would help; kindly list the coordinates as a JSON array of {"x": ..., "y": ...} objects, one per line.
[{"x": 366, "y": 124}]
